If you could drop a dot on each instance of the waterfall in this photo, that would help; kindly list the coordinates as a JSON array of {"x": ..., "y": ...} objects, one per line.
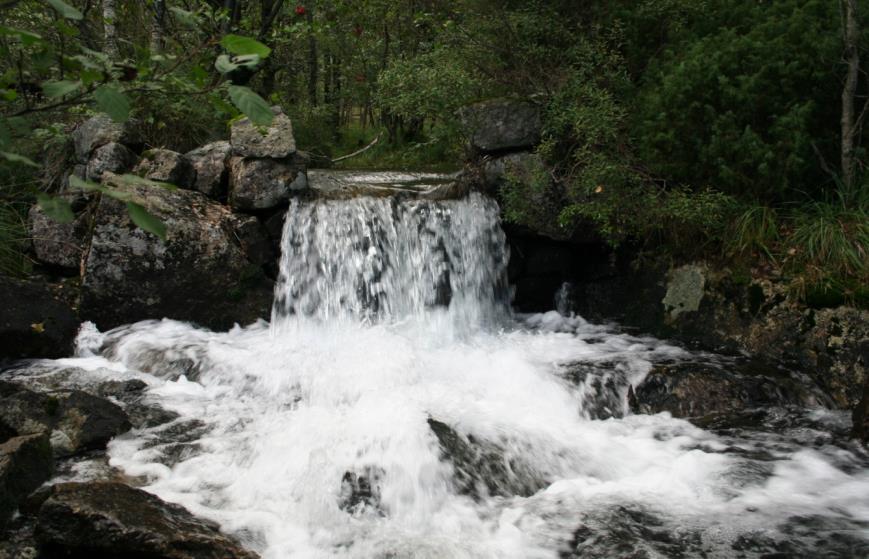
[
  {"x": 395, "y": 407},
  {"x": 376, "y": 259}
]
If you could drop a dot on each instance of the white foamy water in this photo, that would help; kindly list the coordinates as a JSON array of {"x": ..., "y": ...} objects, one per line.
[{"x": 315, "y": 436}]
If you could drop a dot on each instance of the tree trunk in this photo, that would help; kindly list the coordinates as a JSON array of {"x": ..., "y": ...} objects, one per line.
[
  {"x": 157, "y": 23},
  {"x": 851, "y": 34},
  {"x": 110, "y": 31}
]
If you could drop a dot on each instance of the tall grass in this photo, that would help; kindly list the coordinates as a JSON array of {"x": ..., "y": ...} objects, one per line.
[{"x": 13, "y": 241}]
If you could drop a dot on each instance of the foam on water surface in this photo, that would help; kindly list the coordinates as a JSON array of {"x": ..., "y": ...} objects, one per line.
[{"x": 390, "y": 315}]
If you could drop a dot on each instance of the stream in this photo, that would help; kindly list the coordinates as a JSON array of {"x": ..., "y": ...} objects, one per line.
[{"x": 396, "y": 407}]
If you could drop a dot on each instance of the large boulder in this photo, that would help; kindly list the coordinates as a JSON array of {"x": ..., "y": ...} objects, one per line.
[
  {"x": 58, "y": 244},
  {"x": 165, "y": 165},
  {"x": 109, "y": 519},
  {"x": 521, "y": 166},
  {"x": 860, "y": 414},
  {"x": 276, "y": 141},
  {"x": 210, "y": 163},
  {"x": 100, "y": 130},
  {"x": 261, "y": 184},
  {"x": 200, "y": 273},
  {"x": 502, "y": 124},
  {"x": 35, "y": 321},
  {"x": 700, "y": 390},
  {"x": 76, "y": 421},
  {"x": 112, "y": 157},
  {"x": 25, "y": 463}
]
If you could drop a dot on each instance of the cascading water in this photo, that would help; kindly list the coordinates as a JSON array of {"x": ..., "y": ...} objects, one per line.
[{"x": 394, "y": 408}]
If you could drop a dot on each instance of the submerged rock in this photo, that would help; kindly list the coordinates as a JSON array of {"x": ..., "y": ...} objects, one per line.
[
  {"x": 482, "y": 468},
  {"x": 502, "y": 124},
  {"x": 211, "y": 163},
  {"x": 200, "y": 273},
  {"x": 361, "y": 491},
  {"x": 25, "y": 463},
  {"x": 695, "y": 390},
  {"x": 168, "y": 166},
  {"x": 100, "y": 130},
  {"x": 276, "y": 141},
  {"x": 108, "y": 519},
  {"x": 35, "y": 321}
]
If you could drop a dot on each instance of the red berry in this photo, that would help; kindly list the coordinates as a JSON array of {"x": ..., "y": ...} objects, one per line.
[{"x": 300, "y": 10}]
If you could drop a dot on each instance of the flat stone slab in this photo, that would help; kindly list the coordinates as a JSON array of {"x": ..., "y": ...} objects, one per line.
[{"x": 339, "y": 185}]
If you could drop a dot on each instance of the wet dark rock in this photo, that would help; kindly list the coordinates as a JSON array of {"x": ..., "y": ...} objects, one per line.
[
  {"x": 145, "y": 416},
  {"x": 25, "y": 463},
  {"x": 108, "y": 519},
  {"x": 100, "y": 130},
  {"x": 77, "y": 421},
  {"x": 276, "y": 143},
  {"x": 113, "y": 158},
  {"x": 262, "y": 184},
  {"x": 167, "y": 166},
  {"x": 199, "y": 274},
  {"x": 211, "y": 163},
  {"x": 482, "y": 468},
  {"x": 59, "y": 244},
  {"x": 860, "y": 416},
  {"x": 361, "y": 491},
  {"x": 502, "y": 124},
  {"x": 35, "y": 321},
  {"x": 695, "y": 390},
  {"x": 121, "y": 389},
  {"x": 634, "y": 533},
  {"x": 254, "y": 240},
  {"x": 603, "y": 388}
]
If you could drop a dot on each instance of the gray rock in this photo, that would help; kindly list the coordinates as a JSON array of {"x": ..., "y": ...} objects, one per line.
[
  {"x": 110, "y": 519},
  {"x": 254, "y": 240},
  {"x": 684, "y": 290},
  {"x": 518, "y": 166},
  {"x": 200, "y": 273},
  {"x": 101, "y": 130},
  {"x": 502, "y": 124},
  {"x": 112, "y": 157},
  {"x": 35, "y": 321},
  {"x": 77, "y": 421},
  {"x": 25, "y": 463},
  {"x": 698, "y": 390},
  {"x": 58, "y": 244},
  {"x": 261, "y": 184},
  {"x": 211, "y": 162},
  {"x": 277, "y": 142},
  {"x": 166, "y": 166},
  {"x": 860, "y": 414}
]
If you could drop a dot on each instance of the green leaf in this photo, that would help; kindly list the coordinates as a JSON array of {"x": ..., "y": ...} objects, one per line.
[
  {"x": 26, "y": 37},
  {"x": 17, "y": 158},
  {"x": 8, "y": 94},
  {"x": 121, "y": 195},
  {"x": 65, "y": 10},
  {"x": 146, "y": 221},
  {"x": 251, "y": 104},
  {"x": 113, "y": 103},
  {"x": 59, "y": 88},
  {"x": 237, "y": 44},
  {"x": 56, "y": 208}
]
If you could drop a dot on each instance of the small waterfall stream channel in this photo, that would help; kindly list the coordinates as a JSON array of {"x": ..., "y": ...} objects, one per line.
[{"x": 396, "y": 407}]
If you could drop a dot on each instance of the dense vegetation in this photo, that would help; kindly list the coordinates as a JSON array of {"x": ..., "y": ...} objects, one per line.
[{"x": 690, "y": 127}]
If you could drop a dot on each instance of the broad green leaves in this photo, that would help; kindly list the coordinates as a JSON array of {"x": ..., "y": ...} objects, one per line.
[
  {"x": 237, "y": 44},
  {"x": 56, "y": 208},
  {"x": 145, "y": 220},
  {"x": 252, "y": 105},
  {"x": 113, "y": 103},
  {"x": 59, "y": 88},
  {"x": 16, "y": 158},
  {"x": 65, "y": 10}
]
